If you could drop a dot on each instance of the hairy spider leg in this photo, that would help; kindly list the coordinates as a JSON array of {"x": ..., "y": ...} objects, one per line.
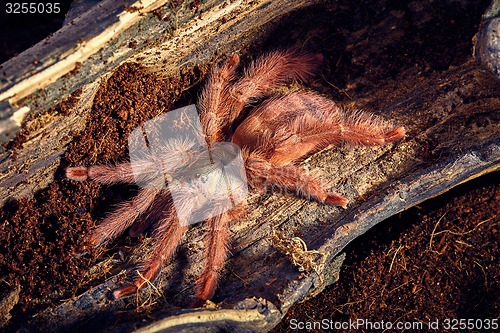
[
  {"x": 115, "y": 223},
  {"x": 263, "y": 174},
  {"x": 269, "y": 72},
  {"x": 216, "y": 252},
  {"x": 214, "y": 98},
  {"x": 222, "y": 100},
  {"x": 145, "y": 171},
  {"x": 167, "y": 237},
  {"x": 124, "y": 216},
  {"x": 161, "y": 206},
  {"x": 298, "y": 124}
]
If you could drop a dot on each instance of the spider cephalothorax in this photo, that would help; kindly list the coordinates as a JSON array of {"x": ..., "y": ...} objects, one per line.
[{"x": 272, "y": 136}]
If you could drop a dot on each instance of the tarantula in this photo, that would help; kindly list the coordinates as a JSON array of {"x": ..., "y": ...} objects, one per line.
[{"x": 272, "y": 136}]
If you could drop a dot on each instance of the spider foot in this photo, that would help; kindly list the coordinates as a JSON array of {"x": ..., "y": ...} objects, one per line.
[
  {"x": 124, "y": 291},
  {"x": 77, "y": 173},
  {"x": 336, "y": 200},
  {"x": 394, "y": 135}
]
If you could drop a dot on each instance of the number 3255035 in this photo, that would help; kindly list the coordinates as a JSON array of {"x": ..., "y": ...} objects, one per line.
[{"x": 32, "y": 8}]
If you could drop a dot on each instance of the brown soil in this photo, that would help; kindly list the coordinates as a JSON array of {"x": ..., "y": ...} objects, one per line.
[{"x": 394, "y": 272}]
